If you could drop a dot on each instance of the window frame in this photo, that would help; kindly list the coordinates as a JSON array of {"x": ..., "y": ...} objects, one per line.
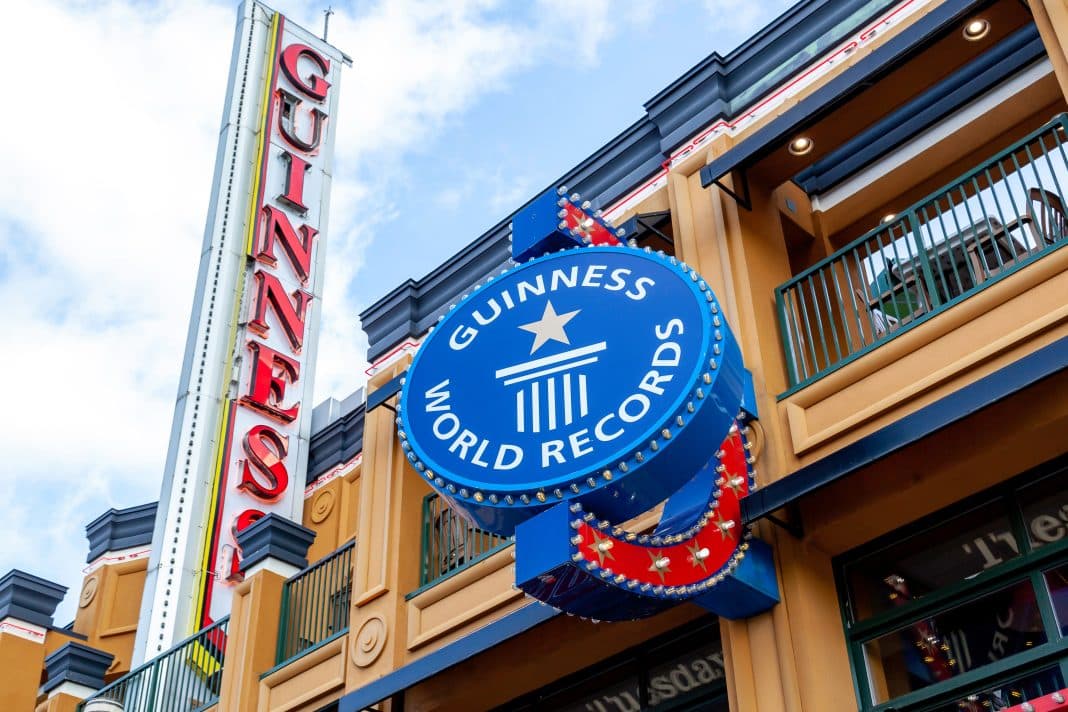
[{"x": 1031, "y": 564}]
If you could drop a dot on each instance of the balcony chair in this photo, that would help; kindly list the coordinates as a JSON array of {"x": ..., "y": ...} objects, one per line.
[{"x": 1047, "y": 216}]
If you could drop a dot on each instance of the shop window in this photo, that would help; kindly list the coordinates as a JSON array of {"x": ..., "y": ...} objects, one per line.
[
  {"x": 681, "y": 671},
  {"x": 968, "y": 609}
]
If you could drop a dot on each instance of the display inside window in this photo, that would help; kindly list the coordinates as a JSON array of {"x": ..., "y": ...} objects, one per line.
[
  {"x": 958, "y": 549},
  {"x": 1007, "y": 694},
  {"x": 681, "y": 671},
  {"x": 965, "y": 638},
  {"x": 1045, "y": 510},
  {"x": 1057, "y": 583}
]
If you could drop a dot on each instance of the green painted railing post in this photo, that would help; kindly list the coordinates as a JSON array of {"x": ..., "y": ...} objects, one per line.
[
  {"x": 787, "y": 341},
  {"x": 925, "y": 261},
  {"x": 309, "y": 614},
  {"x": 153, "y": 686}
]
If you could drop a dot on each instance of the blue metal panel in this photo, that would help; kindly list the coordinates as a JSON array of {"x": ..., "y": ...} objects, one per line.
[
  {"x": 821, "y": 102},
  {"x": 442, "y": 659},
  {"x": 1004, "y": 59},
  {"x": 753, "y": 588},
  {"x": 535, "y": 229}
]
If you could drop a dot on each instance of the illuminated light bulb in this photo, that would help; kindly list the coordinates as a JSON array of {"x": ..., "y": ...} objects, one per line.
[
  {"x": 604, "y": 545},
  {"x": 976, "y": 29},
  {"x": 800, "y": 146},
  {"x": 701, "y": 555},
  {"x": 662, "y": 563}
]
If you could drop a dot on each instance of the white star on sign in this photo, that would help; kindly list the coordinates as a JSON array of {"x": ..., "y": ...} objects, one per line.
[{"x": 549, "y": 327}]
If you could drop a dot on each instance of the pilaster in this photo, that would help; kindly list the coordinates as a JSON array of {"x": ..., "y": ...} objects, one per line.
[
  {"x": 74, "y": 672},
  {"x": 27, "y": 604},
  {"x": 273, "y": 549}
]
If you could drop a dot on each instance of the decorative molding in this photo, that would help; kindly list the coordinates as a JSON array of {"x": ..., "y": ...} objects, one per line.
[
  {"x": 76, "y": 663},
  {"x": 369, "y": 641},
  {"x": 71, "y": 689},
  {"x": 23, "y": 629},
  {"x": 481, "y": 582},
  {"x": 322, "y": 506},
  {"x": 335, "y": 445},
  {"x": 117, "y": 557},
  {"x": 88, "y": 591},
  {"x": 29, "y": 598},
  {"x": 274, "y": 537},
  {"x": 333, "y": 474},
  {"x": 120, "y": 530},
  {"x": 294, "y": 685}
]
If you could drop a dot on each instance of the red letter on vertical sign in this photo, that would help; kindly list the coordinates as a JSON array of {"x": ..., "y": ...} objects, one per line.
[
  {"x": 267, "y": 383},
  {"x": 298, "y": 249},
  {"x": 266, "y": 451},
  {"x": 243, "y": 521},
  {"x": 287, "y": 122},
  {"x": 291, "y": 56},
  {"x": 294, "y": 195},
  {"x": 290, "y": 315}
]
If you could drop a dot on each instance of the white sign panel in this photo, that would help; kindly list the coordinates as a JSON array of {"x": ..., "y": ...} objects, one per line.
[{"x": 239, "y": 443}]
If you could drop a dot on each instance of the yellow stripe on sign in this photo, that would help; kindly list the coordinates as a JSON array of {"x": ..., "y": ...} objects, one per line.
[
  {"x": 265, "y": 138},
  {"x": 205, "y": 662},
  {"x": 220, "y": 453},
  {"x": 209, "y": 529}
]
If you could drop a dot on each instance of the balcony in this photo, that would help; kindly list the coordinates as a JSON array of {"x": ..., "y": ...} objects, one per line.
[
  {"x": 315, "y": 606},
  {"x": 991, "y": 222},
  {"x": 450, "y": 543},
  {"x": 184, "y": 679}
]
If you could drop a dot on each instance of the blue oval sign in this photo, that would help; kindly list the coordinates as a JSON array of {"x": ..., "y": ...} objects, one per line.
[{"x": 605, "y": 374}]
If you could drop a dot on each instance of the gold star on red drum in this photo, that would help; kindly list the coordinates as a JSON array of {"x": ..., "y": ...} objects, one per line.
[
  {"x": 601, "y": 547},
  {"x": 660, "y": 564},
  {"x": 725, "y": 526},
  {"x": 696, "y": 557}
]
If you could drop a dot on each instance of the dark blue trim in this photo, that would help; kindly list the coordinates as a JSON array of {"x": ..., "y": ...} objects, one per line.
[
  {"x": 1007, "y": 57},
  {"x": 274, "y": 537},
  {"x": 470, "y": 645},
  {"x": 910, "y": 429},
  {"x": 337, "y": 442},
  {"x": 74, "y": 662},
  {"x": 118, "y": 529},
  {"x": 841, "y": 88},
  {"x": 29, "y": 598},
  {"x": 390, "y": 388}
]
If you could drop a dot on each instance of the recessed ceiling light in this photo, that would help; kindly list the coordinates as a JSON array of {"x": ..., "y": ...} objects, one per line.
[
  {"x": 976, "y": 29},
  {"x": 888, "y": 217},
  {"x": 800, "y": 145}
]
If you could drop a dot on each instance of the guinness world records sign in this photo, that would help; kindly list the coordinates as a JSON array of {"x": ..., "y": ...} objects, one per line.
[{"x": 604, "y": 375}]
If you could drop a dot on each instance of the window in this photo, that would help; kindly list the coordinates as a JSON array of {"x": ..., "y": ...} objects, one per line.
[
  {"x": 681, "y": 671},
  {"x": 967, "y": 609}
]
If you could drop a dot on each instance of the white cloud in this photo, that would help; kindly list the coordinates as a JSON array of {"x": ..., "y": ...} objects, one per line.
[
  {"x": 107, "y": 164},
  {"x": 107, "y": 157},
  {"x": 743, "y": 16}
]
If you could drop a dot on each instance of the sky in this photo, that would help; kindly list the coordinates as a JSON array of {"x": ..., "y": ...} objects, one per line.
[{"x": 454, "y": 114}]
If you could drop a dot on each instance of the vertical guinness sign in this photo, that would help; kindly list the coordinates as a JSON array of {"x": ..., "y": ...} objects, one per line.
[{"x": 239, "y": 441}]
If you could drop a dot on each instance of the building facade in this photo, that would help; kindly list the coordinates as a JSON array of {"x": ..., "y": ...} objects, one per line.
[{"x": 875, "y": 193}]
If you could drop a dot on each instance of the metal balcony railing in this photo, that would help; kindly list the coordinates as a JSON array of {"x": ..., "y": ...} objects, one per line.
[
  {"x": 186, "y": 678},
  {"x": 315, "y": 605},
  {"x": 998, "y": 217},
  {"x": 451, "y": 543}
]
